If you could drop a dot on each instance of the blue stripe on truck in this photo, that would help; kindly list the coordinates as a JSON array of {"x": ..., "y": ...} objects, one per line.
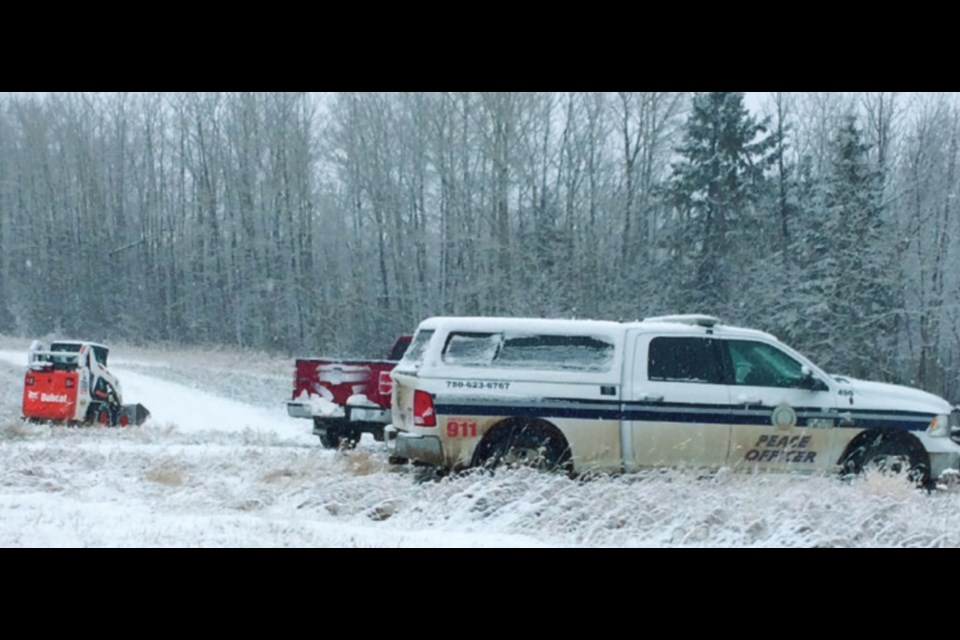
[{"x": 680, "y": 413}]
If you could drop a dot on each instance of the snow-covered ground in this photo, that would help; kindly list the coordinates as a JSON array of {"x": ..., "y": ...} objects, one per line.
[{"x": 220, "y": 464}]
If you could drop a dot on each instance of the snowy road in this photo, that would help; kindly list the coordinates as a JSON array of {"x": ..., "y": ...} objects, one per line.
[{"x": 193, "y": 410}]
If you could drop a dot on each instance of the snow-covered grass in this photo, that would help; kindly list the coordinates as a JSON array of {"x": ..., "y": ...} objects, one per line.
[{"x": 220, "y": 464}]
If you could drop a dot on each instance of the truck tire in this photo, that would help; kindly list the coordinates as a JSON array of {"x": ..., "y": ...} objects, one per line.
[
  {"x": 329, "y": 440},
  {"x": 337, "y": 436},
  {"x": 888, "y": 451},
  {"x": 525, "y": 444},
  {"x": 339, "y": 440}
]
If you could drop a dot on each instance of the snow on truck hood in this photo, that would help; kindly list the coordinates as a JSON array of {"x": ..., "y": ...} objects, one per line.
[{"x": 881, "y": 395}]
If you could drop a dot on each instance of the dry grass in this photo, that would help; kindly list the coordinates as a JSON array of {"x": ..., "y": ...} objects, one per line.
[
  {"x": 171, "y": 476},
  {"x": 361, "y": 463},
  {"x": 281, "y": 475},
  {"x": 19, "y": 430}
]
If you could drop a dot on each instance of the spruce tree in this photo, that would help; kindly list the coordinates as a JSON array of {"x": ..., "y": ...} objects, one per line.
[
  {"x": 714, "y": 189},
  {"x": 864, "y": 296},
  {"x": 847, "y": 284}
]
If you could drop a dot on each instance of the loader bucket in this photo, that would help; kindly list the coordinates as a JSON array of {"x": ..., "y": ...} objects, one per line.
[{"x": 133, "y": 414}]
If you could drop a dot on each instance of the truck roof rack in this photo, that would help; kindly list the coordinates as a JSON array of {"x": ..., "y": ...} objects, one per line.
[{"x": 695, "y": 319}]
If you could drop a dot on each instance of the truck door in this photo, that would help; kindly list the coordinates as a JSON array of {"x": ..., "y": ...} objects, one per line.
[
  {"x": 677, "y": 405},
  {"x": 783, "y": 414}
]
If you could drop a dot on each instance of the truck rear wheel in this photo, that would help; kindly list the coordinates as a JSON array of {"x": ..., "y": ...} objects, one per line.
[
  {"x": 329, "y": 440},
  {"x": 525, "y": 444},
  {"x": 337, "y": 440},
  {"x": 336, "y": 435}
]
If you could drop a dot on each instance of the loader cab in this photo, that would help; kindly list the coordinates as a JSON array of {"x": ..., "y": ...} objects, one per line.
[
  {"x": 64, "y": 356},
  {"x": 98, "y": 352}
]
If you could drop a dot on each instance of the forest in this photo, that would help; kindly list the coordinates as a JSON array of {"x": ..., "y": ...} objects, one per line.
[{"x": 329, "y": 223}]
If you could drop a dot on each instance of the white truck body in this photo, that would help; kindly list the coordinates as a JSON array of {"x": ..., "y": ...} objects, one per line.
[{"x": 669, "y": 391}]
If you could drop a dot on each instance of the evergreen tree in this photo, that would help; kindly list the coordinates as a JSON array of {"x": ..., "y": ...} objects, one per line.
[
  {"x": 865, "y": 297},
  {"x": 812, "y": 330},
  {"x": 714, "y": 189},
  {"x": 849, "y": 264}
]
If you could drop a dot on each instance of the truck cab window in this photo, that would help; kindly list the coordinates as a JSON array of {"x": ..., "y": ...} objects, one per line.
[
  {"x": 555, "y": 352},
  {"x": 684, "y": 360},
  {"x": 762, "y": 365},
  {"x": 471, "y": 349}
]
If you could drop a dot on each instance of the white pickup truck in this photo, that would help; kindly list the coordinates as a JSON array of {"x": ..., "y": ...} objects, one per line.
[{"x": 681, "y": 390}]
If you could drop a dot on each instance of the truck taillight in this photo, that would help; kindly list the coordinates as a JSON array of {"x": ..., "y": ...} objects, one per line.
[
  {"x": 423, "y": 414},
  {"x": 68, "y": 383},
  {"x": 385, "y": 383},
  {"x": 30, "y": 381}
]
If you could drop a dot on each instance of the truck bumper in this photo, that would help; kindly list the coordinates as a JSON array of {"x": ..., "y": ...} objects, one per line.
[
  {"x": 320, "y": 427},
  {"x": 390, "y": 435},
  {"x": 944, "y": 463},
  {"x": 299, "y": 409},
  {"x": 425, "y": 449},
  {"x": 368, "y": 414}
]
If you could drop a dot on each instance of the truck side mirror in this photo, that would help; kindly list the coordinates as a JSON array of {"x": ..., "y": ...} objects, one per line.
[{"x": 812, "y": 382}]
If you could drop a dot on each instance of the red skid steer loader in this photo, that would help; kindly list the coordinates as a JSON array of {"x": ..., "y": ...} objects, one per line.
[{"x": 69, "y": 384}]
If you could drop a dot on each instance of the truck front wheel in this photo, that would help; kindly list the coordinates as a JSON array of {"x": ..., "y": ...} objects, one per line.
[{"x": 890, "y": 452}]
